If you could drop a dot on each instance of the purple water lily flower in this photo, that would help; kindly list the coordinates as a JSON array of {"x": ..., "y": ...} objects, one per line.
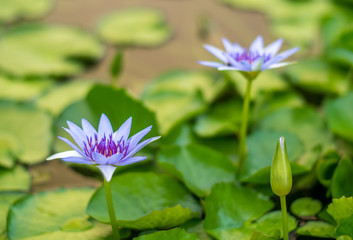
[
  {"x": 252, "y": 60},
  {"x": 105, "y": 149}
]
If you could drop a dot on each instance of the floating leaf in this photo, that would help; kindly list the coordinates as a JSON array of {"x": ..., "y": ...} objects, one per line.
[
  {"x": 117, "y": 104},
  {"x": 197, "y": 166},
  {"x": 16, "y": 179},
  {"x": 174, "y": 234},
  {"x": 180, "y": 95},
  {"x": 18, "y": 89},
  {"x": 230, "y": 206},
  {"x": 12, "y": 10},
  {"x": 169, "y": 203},
  {"x": 145, "y": 27},
  {"x": 305, "y": 207},
  {"x": 9, "y": 147},
  {"x": 46, "y": 50},
  {"x": 6, "y": 199},
  {"x": 196, "y": 226},
  {"x": 32, "y": 127},
  {"x": 317, "y": 229},
  {"x": 340, "y": 116},
  {"x": 261, "y": 146},
  {"x": 55, "y": 215},
  {"x": 342, "y": 184},
  {"x": 61, "y": 96},
  {"x": 223, "y": 118}
]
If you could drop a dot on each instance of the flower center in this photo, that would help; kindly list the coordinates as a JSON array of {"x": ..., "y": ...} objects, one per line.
[
  {"x": 106, "y": 146},
  {"x": 249, "y": 56}
]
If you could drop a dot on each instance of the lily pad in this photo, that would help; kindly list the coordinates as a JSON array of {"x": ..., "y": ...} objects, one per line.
[
  {"x": 47, "y": 50},
  {"x": 222, "y": 119},
  {"x": 197, "y": 166},
  {"x": 32, "y": 128},
  {"x": 12, "y": 10},
  {"x": 305, "y": 207},
  {"x": 18, "y": 89},
  {"x": 341, "y": 184},
  {"x": 174, "y": 234},
  {"x": 61, "y": 96},
  {"x": 180, "y": 95},
  {"x": 317, "y": 229},
  {"x": 6, "y": 200},
  {"x": 9, "y": 148},
  {"x": 340, "y": 116},
  {"x": 16, "y": 179},
  {"x": 169, "y": 203},
  {"x": 145, "y": 27},
  {"x": 34, "y": 217},
  {"x": 230, "y": 206},
  {"x": 117, "y": 104}
]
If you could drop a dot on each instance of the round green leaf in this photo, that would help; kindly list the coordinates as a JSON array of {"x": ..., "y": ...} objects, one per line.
[
  {"x": 16, "y": 179},
  {"x": 317, "y": 229},
  {"x": 32, "y": 128},
  {"x": 180, "y": 95},
  {"x": 6, "y": 199},
  {"x": 54, "y": 215},
  {"x": 305, "y": 207},
  {"x": 47, "y": 50},
  {"x": 174, "y": 234},
  {"x": 117, "y": 104},
  {"x": 144, "y": 27},
  {"x": 340, "y": 116},
  {"x": 145, "y": 201},
  {"x": 197, "y": 166},
  {"x": 230, "y": 206},
  {"x": 12, "y": 10},
  {"x": 18, "y": 89},
  {"x": 61, "y": 96}
]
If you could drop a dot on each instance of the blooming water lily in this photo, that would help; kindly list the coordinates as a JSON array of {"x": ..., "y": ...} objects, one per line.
[{"x": 103, "y": 148}]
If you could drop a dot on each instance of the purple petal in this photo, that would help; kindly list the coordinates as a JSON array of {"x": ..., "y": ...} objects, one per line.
[
  {"x": 131, "y": 160},
  {"x": 70, "y": 153},
  {"x": 233, "y": 62},
  {"x": 257, "y": 45},
  {"x": 73, "y": 146},
  {"x": 107, "y": 171},
  {"x": 88, "y": 129},
  {"x": 79, "y": 141},
  {"x": 280, "y": 57},
  {"x": 139, "y": 146},
  {"x": 217, "y": 52},
  {"x": 123, "y": 132},
  {"x": 211, "y": 64},
  {"x": 227, "y": 45},
  {"x": 99, "y": 158},
  {"x": 134, "y": 140},
  {"x": 80, "y": 160},
  {"x": 115, "y": 158},
  {"x": 273, "y": 48},
  {"x": 104, "y": 128}
]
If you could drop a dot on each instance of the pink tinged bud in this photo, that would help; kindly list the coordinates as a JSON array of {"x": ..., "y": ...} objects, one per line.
[{"x": 281, "y": 173}]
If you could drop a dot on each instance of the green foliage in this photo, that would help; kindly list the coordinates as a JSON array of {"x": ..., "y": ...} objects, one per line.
[
  {"x": 169, "y": 203},
  {"x": 174, "y": 234},
  {"x": 305, "y": 207}
]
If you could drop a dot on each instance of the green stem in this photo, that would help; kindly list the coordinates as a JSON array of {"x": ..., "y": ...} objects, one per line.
[
  {"x": 113, "y": 222},
  {"x": 284, "y": 217},
  {"x": 243, "y": 128}
]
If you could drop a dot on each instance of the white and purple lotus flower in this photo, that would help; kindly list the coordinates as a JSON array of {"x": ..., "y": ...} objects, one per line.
[
  {"x": 105, "y": 149},
  {"x": 254, "y": 59}
]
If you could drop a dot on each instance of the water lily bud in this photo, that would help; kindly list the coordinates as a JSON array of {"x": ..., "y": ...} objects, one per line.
[{"x": 281, "y": 173}]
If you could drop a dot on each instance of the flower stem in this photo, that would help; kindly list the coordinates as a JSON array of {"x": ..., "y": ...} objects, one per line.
[
  {"x": 284, "y": 217},
  {"x": 113, "y": 222},
  {"x": 243, "y": 128}
]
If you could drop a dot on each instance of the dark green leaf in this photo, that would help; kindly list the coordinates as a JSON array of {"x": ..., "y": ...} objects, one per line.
[
  {"x": 116, "y": 66},
  {"x": 345, "y": 227},
  {"x": 6, "y": 199},
  {"x": 145, "y": 201},
  {"x": 342, "y": 184}
]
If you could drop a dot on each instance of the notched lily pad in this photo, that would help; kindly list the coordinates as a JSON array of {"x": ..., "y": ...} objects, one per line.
[
  {"x": 47, "y": 50},
  {"x": 55, "y": 215},
  {"x": 32, "y": 128},
  {"x": 145, "y": 27},
  {"x": 6, "y": 200},
  {"x": 169, "y": 203}
]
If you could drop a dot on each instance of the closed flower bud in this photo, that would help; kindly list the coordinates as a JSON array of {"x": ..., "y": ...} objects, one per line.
[{"x": 281, "y": 174}]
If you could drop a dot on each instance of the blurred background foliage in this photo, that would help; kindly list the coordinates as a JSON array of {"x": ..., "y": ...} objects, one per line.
[{"x": 66, "y": 60}]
